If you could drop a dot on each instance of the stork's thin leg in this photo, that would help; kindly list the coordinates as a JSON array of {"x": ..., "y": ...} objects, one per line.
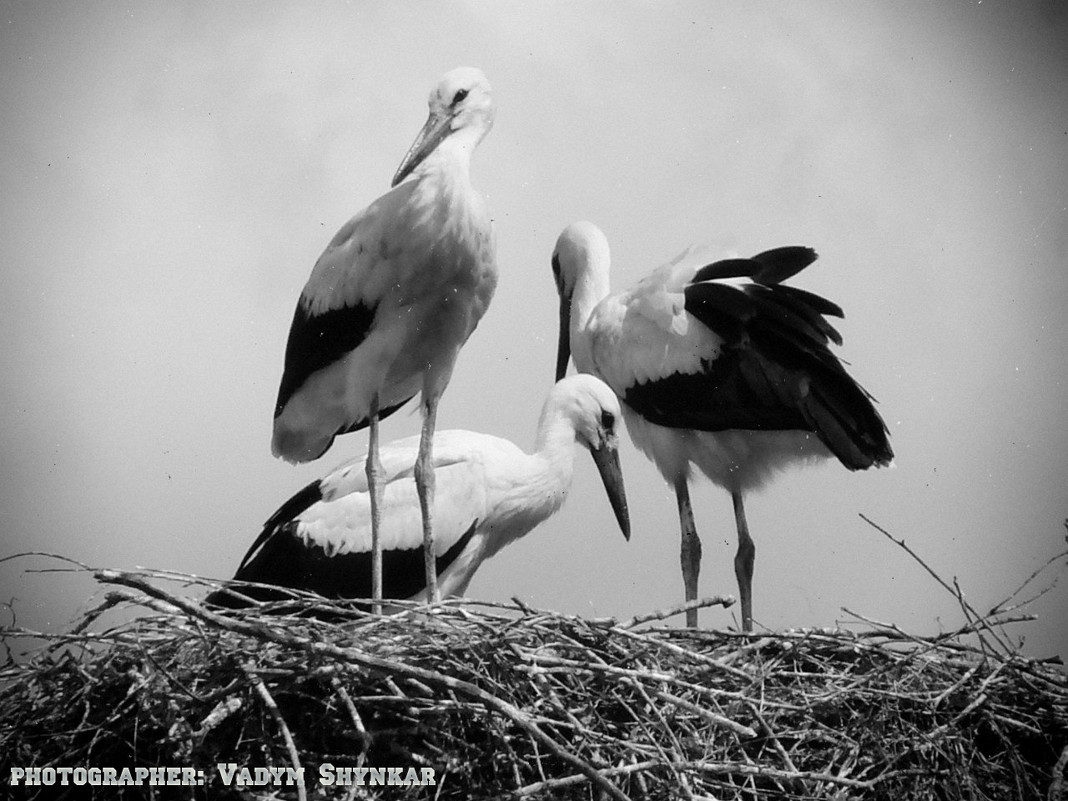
[
  {"x": 690, "y": 554},
  {"x": 374, "y": 484},
  {"x": 424, "y": 483},
  {"x": 743, "y": 562}
]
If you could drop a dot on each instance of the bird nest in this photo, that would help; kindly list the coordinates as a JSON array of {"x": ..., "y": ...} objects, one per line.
[{"x": 505, "y": 701}]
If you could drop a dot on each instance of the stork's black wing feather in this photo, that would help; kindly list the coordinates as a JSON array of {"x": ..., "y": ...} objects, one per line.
[
  {"x": 285, "y": 560},
  {"x": 317, "y": 341},
  {"x": 286, "y": 513},
  {"x": 770, "y": 267},
  {"x": 726, "y": 268},
  {"x": 731, "y": 392},
  {"x": 778, "y": 264},
  {"x": 774, "y": 371}
]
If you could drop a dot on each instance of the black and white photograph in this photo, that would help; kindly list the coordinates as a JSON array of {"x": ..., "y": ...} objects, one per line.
[{"x": 534, "y": 400}]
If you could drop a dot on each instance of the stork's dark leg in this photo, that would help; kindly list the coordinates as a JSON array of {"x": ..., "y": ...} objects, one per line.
[
  {"x": 743, "y": 562},
  {"x": 374, "y": 484},
  {"x": 690, "y": 554},
  {"x": 424, "y": 484}
]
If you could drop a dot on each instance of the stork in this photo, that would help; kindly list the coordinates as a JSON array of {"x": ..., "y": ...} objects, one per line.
[
  {"x": 391, "y": 301},
  {"x": 490, "y": 493},
  {"x": 718, "y": 365}
]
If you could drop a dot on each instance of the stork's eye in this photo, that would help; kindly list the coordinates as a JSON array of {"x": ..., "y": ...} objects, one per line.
[
  {"x": 459, "y": 96},
  {"x": 608, "y": 420}
]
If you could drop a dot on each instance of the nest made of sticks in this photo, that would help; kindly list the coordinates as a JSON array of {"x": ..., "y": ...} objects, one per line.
[
  {"x": 504, "y": 701},
  {"x": 507, "y": 701}
]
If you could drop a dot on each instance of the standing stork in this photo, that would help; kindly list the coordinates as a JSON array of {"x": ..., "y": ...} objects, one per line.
[
  {"x": 392, "y": 300},
  {"x": 490, "y": 493},
  {"x": 718, "y": 365}
]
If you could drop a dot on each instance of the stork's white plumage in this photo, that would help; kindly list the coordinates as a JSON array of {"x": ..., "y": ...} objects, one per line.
[
  {"x": 395, "y": 295},
  {"x": 489, "y": 493},
  {"x": 718, "y": 365}
]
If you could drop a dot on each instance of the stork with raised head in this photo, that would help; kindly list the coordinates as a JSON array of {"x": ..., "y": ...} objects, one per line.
[
  {"x": 718, "y": 365},
  {"x": 392, "y": 300},
  {"x": 489, "y": 494}
]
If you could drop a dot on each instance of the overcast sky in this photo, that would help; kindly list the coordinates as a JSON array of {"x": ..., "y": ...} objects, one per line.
[{"x": 171, "y": 171}]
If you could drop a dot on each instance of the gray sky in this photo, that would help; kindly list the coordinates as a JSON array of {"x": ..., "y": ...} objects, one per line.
[{"x": 171, "y": 171}]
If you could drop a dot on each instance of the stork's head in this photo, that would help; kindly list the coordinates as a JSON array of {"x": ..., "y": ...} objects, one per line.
[
  {"x": 461, "y": 105},
  {"x": 593, "y": 410},
  {"x": 581, "y": 261}
]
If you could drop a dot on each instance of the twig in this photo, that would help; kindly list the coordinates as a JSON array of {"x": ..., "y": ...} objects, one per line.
[
  {"x": 276, "y": 713},
  {"x": 697, "y": 656},
  {"x": 111, "y": 600},
  {"x": 955, "y": 686},
  {"x": 701, "y": 603},
  {"x": 770, "y": 734},
  {"x": 1056, "y": 786},
  {"x": 680, "y": 780},
  {"x": 713, "y": 718},
  {"x": 956, "y": 593},
  {"x": 221, "y": 712},
  {"x": 58, "y": 557},
  {"x": 1028, "y": 580},
  {"x": 354, "y": 715},
  {"x": 537, "y": 788}
]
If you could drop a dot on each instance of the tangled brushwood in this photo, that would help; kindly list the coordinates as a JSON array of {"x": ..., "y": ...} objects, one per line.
[{"x": 504, "y": 701}]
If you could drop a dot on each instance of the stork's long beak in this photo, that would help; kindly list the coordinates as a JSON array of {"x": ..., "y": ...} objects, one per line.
[
  {"x": 563, "y": 344},
  {"x": 435, "y": 129},
  {"x": 606, "y": 457}
]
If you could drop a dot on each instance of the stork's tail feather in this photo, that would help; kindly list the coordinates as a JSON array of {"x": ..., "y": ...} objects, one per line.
[
  {"x": 363, "y": 422},
  {"x": 844, "y": 417},
  {"x": 286, "y": 513},
  {"x": 298, "y": 442}
]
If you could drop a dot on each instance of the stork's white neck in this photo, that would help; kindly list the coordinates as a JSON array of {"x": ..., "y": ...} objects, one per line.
[
  {"x": 450, "y": 161},
  {"x": 555, "y": 440},
  {"x": 445, "y": 196},
  {"x": 591, "y": 287},
  {"x": 555, "y": 448},
  {"x": 540, "y": 485}
]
